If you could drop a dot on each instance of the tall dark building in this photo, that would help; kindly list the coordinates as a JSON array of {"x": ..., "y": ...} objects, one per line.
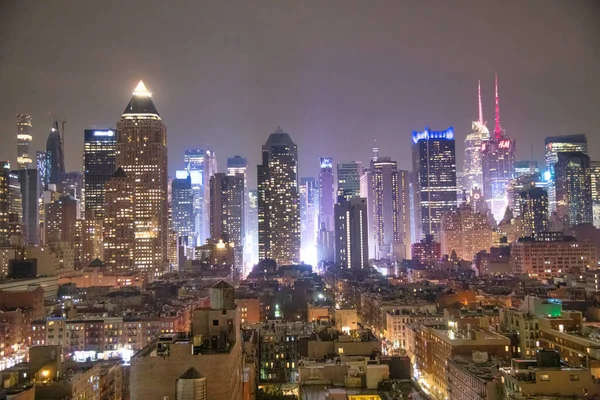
[
  {"x": 4, "y": 203},
  {"x": 142, "y": 155},
  {"x": 30, "y": 194},
  {"x": 434, "y": 174},
  {"x": 99, "y": 164},
  {"x": 572, "y": 174},
  {"x": 183, "y": 206},
  {"x": 227, "y": 211},
  {"x": 10, "y": 204},
  {"x": 278, "y": 208},
  {"x": 533, "y": 204},
  {"x": 55, "y": 157},
  {"x": 351, "y": 233}
]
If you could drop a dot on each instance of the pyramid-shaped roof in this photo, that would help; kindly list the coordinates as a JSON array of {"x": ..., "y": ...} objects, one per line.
[
  {"x": 97, "y": 263},
  {"x": 141, "y": 102},
  {"x": 222, "y": 285},
  {"x": 119, "y": 173},
  {"x": 279, "y": 138}
]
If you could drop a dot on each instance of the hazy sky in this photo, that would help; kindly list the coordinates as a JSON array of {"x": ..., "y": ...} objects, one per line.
[{"x": 334, "y": 74}]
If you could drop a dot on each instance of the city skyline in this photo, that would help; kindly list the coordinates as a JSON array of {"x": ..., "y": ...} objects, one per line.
[{"x": 440, "y": 96}]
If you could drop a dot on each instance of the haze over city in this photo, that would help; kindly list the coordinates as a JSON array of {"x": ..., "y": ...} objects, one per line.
[
  {"x": 336, "y": 75},
  {"x": 300, "y": 200}
]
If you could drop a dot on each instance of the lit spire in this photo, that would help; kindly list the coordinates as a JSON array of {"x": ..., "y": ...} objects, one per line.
[
  {"x": 140, "y": 90},
  {"x": 480, "y": 107},
  {"x": 498, "y": 128}
]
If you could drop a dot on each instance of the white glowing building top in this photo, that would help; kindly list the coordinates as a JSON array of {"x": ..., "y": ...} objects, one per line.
[{"x": 473, "y": 169}]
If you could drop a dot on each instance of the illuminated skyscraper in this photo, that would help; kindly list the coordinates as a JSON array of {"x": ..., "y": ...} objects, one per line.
[
  {"x": 42, "y": 167},
  {"x": 201, "y": 164},
  {"x": 309, "y": 205},
  {"x": 555, "y": 145},
  {"x": 227, "y": 212},
  {"x": 99, "y": 157},
  {"x": 473, "y": 167},
  {"x": 251, "y": 250},
  {"x": 182, "y": 203},
  {"x": 55, "y": 156},
  {"x": 118, "y": 225},
  {"x": 351, "y": 233},
  {"x": 389, "y": 208},
  {"x": 326, "y": 193},
  {"x": 595, "y": 172},
  {"x": 59, "y": 217},
  {"x": 23, "y": 140},
  {"x": 498, "y": 155},
  {"x": 434, "y": 172},
  {"x": 348, "y": 179},
  {"x": 239, "y": 165},
  {"x": 4, "y": 203},
  {"x": 15, "y": 208},
  {"x": 533, "y": 203},
  {"x": 278, "y": 200},
  {"x": 572, "y": 176},
  {"x": 142, "y": 154}
]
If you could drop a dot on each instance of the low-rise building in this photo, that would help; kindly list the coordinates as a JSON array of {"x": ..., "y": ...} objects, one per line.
[
  {"x": 397, "y": 321},
  {"x": 545, "y": 377},
  {"x": 552, "y": 255},
  {"x": 435, "y": 345},
  {"x": 473, "y": 378}
]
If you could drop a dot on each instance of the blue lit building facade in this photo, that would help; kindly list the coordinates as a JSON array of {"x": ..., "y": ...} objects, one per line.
[
  {"x": 434, "y": 177},
  {"x": 183, "y": 205},
  {"x": 201, "y": 165}
]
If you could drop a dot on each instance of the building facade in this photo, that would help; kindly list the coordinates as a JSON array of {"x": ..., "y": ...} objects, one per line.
[
  {"x": 227, "y": 211},
  {"x": 533, "y": 205},
  {"x": 142, "y": 154},
  {"x": 278, "y": 200},
  {"x": 348, "y": 179},
  {"x": 573, "y": 188},
  {"x": 24, "y": 139},
  {"x": 547, "y": 257},
  {"x": 389, "y": 209},
  {"x": 473, "y": 163},
  {"x": 351, "y": 233},
  {"x": 466, "y": 232},
  {"x": 555, "y": 145},
  {"x": 99, "y": 156},
  {"x": 434, "y": 169},
  {"x": 118, "y": 224}
]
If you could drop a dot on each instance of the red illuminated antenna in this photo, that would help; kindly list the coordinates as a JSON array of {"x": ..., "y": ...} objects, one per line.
[
  {"x": 498, "y": 128},
  {"x": 480, "y": 107}
]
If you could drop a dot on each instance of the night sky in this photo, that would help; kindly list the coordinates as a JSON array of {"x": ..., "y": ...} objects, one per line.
[{"x": 334, "y": 74}]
